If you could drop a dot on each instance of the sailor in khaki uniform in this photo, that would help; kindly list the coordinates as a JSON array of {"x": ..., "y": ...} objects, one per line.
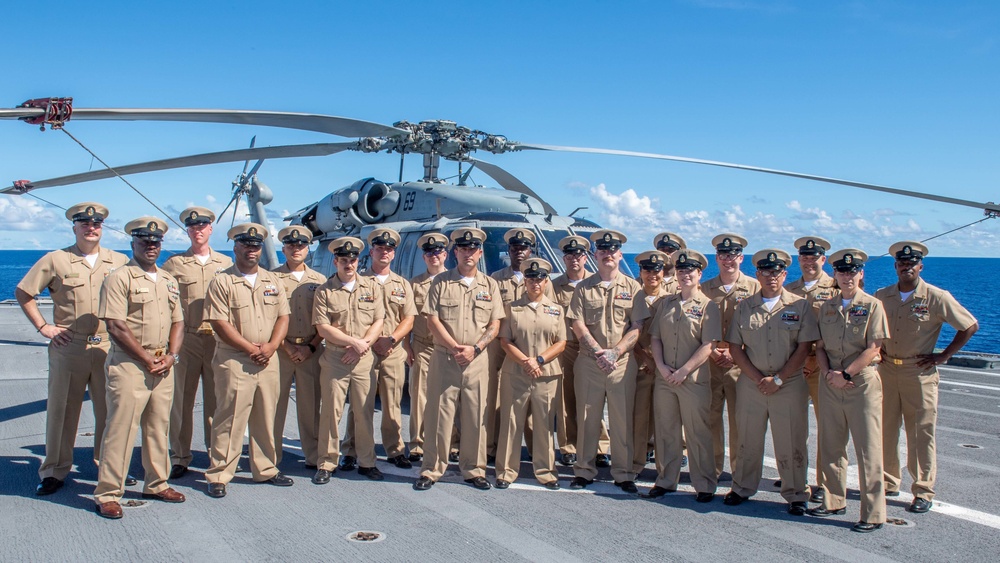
[
  {"x": 194, "y": 269},
  {"x": 916, "y": 311},
  {"x": 852, "y": 328},
  {"x": 298, "y": 355},
  {"x": 769, "y": 339},
  {"x": 390, "y": 356},
  {"x": 247, "y": 307},
  {"x": 575, "y": 250},
  {"x": 669, "y": 243},
  {"x": 727, "y": 289},
  {"x": 434, "y": 247},
  {"x": 533, "y": 334},
  {"x": 816, "y": 287},
  {"x": 651, "y": 267},
  {"x": 686, "y": 326},
  {"x": 349, "y": 313},
  {"x": 607, "y": 318},
  {"x": 463, "y": 313},
  {"x": 141, "y": 305},
  {"x": 78, "y": 338}
]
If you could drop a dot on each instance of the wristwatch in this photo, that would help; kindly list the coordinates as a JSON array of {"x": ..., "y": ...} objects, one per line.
[
  {"x": 311, "y": 347},
  {"x": 540, "y": 360},
  {"x": 477, "y": 349},
  {"x": 177, "y": 358},
  {"x": 392, "y": 340},
  {"x": 777, "y": 380},
  {"x": 847, "y": 376}
]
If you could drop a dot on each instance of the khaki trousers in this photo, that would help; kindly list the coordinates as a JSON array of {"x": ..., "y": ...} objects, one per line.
[
  {"x": 566, "y": 430},
  {"x": 788, "y": 415},
  {"x": 73, "y": 369},
  {"x": 337, "y": 382},
  {"x": 813, "y": 382},
  {"x": 197, "y": 352},
  {"x": 135, "y": 399},
  {"x": 307, "y": 394},
  {"x": 418, "y": 392},
  {"x": 593, "y": 388},
  {"x": 520, "y": 395},
  {"x": 724, "y": 393},
  {"x": 856, "y": 413},
  {"x": 642, "y": 418},
  {"x": 496, "y": 355},
  {"x": 684, "y": 407},
  {"x": 390, "y": 377},
  {"x": 452, "y": 389},
  {"x": 247, "y": 394},
  {"x": 910, "y": 398}
]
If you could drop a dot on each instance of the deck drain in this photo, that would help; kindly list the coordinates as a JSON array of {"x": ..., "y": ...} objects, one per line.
[
  {"x": 134, "y": 504},
  {"x": 971, "y": 446},
  {"x": 366, "y": 537},
  {"x": 899, "y": 522}
]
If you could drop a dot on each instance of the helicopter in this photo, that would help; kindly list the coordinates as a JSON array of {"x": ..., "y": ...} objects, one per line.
[{"x": 412, "y": 208}]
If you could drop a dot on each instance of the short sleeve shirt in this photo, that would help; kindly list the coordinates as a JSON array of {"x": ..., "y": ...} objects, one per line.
[
  {"x": 824, "y": 288},
  {"x": 193, "y": 278},
  {"x": 420, "y": 285},
  {"x": 771, "y": 337},
  {"x": 300, "y": 294},
  {"x": 148, "y": 307},
  {"x": 915, "y": 324},
  {"x": 847, "y": 331},
  {"x": 532, "y": 330},
  {"x": 465, "y": 311},
  {"x": 654, "y": 306},
  {"x": 397, "y": 295},
  {"x": 608, "y": 311},
  {"x": 74, "y": 286},
  {"x": 683, "y": 326},
  {"x": 512, "y": 288},
  {"x": 562, "y": 291},
  {"x": 743, "y": 288},
  {"x": 251, "y": 310},
  {"x": 351, "y": 312}
]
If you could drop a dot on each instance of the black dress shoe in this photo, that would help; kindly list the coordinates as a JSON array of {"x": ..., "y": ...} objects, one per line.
[
  {"x": 414, "y": 458},
  {"x": 650, "y": 458},
  {"x": 797, "y": 508},
  {"x": 348, "y": 463},
  {"x": 423, "y": 483},
  {"x": 733, "y": 499},
  {"x": 568, "y": 460},
  {"x": 818, "y": 495},
  {"x": 321, "y": 477},
  {"x": 501, "y": 484},
  {"x": 401, "y": 462},
  {"x": 453, "y": 457},
  {"x": 705, "y": 497},
  {"x": 777, "y": 483},
  {"x": 580, "y": 483},
  {"x": 131, "y": 481},
  {"x": 892, "y": 493},
  {"x": 684, "y": 462},
  {"x": 657, "y": 492},
  {"x": 48, "y": 486},
  {"x": 865, "y": 527},
  {"x": 280, "y": 480},
  {"x": 480, "y": 483},
  {"x": 216, "y": 490},
  {"x": 627, "y": 486},
  {"x": 372, "y": 473},
  {"x": 603, "y": 460},
  {"x": 312, "y": 466},
  {"x": 919, "y": 506},
  {"x": 821, "y": 512},
  {"x": 552, "y": 485},
  {"x": 177, "y": 471}
]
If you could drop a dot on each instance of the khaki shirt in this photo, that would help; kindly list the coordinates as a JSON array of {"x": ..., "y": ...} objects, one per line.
[
  {"x": 562, "y": 291},
  {"x": 743, "y": 288},
  {"x": 771, "y": 337},
  {"x": 148, "y": 308},
  {"x": 682, "y": 327},
  {"x": 420, "y": 285},
  {"x": 300, "y": 295},
  {"x": 463, "y": 310},
  {"x": 512, "y": 288},
  {"x": 397, "y": 296},
  {"x": 193, "y": 278},
  {"x": 653, "y": 302},
  {"x": 670, "y": 286},
  {"x": 533, "y": 330},
  {"x": 915, "y": 324},
  {"x": 251, "y": 310},
  {"x": 824, "y": 288},
  {"x": 608, "y": 311},
  {"x": 74, "y": 287},
  {"x": 351, "y": 312},
  {"x": 846, "y": 332}
]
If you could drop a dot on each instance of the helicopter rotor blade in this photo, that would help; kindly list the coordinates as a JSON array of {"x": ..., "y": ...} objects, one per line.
[
  {"x": 333, "y": 125},
  {"x": 255, "y": 168},
  {"x": 989, "y": 207},
  {"x": 281, "y": 151},
  {"x": 246, "y": 163},
  {"x": 236, "y": 194},
  {"x": 507, "y": 181}
]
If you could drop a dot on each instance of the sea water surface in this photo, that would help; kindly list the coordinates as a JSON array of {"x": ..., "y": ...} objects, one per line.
[{"x": 968, "y": 279}]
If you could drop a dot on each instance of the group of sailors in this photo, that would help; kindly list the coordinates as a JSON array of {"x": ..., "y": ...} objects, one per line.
[{"x": 493, "y": 360}]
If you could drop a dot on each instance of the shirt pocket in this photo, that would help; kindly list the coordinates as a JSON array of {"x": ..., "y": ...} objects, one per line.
[
  {"x": 448, "y": 310},
  {"x": 593, "y": 311},
  {"x": 187, "y": 286},
  {"x": 137, "y": 302},
  {"x": 481, "y": 312},
  {"x": 366, "y": 314}
]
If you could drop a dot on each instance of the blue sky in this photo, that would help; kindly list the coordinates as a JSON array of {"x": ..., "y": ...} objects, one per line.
[{"x": 895, "y": 93}]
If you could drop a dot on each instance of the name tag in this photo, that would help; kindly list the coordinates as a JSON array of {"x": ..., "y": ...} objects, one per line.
[
  {"x": 142, "y": 290},
  {"x": 71, "y": 276}
]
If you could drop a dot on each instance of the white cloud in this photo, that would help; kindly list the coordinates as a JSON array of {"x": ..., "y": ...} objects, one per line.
[{"x": 23, "y": 213}]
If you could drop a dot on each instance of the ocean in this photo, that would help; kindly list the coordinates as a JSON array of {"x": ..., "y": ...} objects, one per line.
[{"x": 968, "y": 279}]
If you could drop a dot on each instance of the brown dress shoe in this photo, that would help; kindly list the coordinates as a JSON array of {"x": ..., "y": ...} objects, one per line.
[
  {"x": 166, "y": 495},
  {"x": 111, "y": 510}
]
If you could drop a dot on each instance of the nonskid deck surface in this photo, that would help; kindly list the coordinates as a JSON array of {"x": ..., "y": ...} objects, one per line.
[{"x": 456, "y": 521}]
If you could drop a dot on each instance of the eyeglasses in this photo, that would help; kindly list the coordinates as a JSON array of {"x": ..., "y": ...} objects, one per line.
[
  {"x": 771, "y": 273},
  {"x": 728, "y": 256},
  {"x": 434, "y": 252},
  {"x": 847, "y": 270}
]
